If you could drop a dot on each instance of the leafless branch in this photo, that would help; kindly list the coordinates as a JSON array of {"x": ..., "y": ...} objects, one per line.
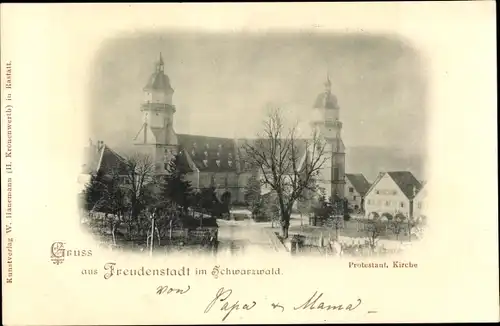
[{"x": 286, "y": 164}]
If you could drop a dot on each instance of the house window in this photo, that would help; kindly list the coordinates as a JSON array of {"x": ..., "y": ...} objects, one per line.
[
  {"x": 377, "y": 192},
  {"x": 351, "y": 189},
  {"x": 354, "y": 197},
  {"x": 394, "y": 192},
  {"x": 387, "y": 203},
  {"x": 402, "y": 204},
  {"x": 369, "y": 202},
  {"x": 419, "y": 204}
]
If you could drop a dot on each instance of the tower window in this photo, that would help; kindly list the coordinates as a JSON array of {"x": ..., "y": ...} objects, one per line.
[{"x": 351, "y": 189}]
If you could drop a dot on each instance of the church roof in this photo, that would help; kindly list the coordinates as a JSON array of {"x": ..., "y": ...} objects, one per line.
[
  {"x": 216, "y": 154},
  {"x": 210, "y": 154},
  {"x": 300, "y": 147},
  {"x": 359, "y": 182}
]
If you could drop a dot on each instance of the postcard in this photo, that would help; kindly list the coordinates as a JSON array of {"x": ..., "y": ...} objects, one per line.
[{"x": 249, "y": 163}]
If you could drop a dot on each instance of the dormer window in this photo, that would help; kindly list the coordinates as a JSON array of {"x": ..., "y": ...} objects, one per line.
[
  {"x": 230, "y": 163},
  {"x": 206, "y": 153},
  {"x": 193, "y": 152},
  {"x": 205, "y": 162},
  {"x": 217, "y": 162},
  {"x": 218, "y": 154},
  {"x": 207, "y": 146}
]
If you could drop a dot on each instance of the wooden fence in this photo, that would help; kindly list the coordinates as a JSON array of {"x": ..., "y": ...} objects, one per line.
[{"x": 328, "y": 246}]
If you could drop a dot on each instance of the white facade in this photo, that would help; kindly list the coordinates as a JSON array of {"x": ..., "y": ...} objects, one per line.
[
  {"x": 420, "y": 203},
  {"x": 326, "y": 123},
  {"x": 385, "y": 196}
]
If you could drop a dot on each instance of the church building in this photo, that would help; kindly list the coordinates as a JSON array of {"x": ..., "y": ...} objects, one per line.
[{"x": 214, "y": 161}]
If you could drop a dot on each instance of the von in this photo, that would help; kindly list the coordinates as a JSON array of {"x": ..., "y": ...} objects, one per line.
[{"x": 167, "y": 290}]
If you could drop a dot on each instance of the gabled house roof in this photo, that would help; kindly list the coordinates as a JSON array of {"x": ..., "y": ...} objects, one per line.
[
  {"x": 103, "y": 158},
  {"x": 422, "y": 193},
  {"x": 359, "y": 182},
  {"x": 405, "y": 181}
]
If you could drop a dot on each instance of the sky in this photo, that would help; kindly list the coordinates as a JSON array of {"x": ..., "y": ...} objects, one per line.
[{"x": 224, "y": 83}]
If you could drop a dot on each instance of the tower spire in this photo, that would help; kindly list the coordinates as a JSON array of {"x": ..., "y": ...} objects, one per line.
[
  {"x": 328, "y": 83},
  {"x": 159, "y": 65}
]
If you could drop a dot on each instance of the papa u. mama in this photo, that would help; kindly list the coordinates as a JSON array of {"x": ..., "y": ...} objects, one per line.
[{"x": 313, "y": 304}]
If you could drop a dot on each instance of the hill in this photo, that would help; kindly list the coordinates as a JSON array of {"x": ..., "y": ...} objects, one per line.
[{"x": 372, "y": 160}]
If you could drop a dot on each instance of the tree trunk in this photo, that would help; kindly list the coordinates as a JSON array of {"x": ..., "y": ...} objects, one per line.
[
  {"x": 285, "y": 225},
  {"x": 113, "y": 230},
  {"x": 284, "y": 231}
]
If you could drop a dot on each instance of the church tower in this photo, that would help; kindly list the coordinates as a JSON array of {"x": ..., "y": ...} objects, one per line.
[
  {"x": 327, "y": 124},
  {"x": 157, "y": 136}
]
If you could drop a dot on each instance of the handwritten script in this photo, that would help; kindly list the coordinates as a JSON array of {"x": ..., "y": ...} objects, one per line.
[{"x": 225, "y": 302}]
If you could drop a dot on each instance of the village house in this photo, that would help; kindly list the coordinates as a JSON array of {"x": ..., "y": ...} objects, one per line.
[
  {"x": 100, "y": 158},
  {"x": 355, "y": 190},
  {"x": 420, "y": 203},
  {"x": 392, "y": 193}
]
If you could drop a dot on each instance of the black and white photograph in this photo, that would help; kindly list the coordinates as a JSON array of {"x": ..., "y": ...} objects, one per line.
[
  {"x": 249, "y": 163},
  {"x": 299, "y": 143}
]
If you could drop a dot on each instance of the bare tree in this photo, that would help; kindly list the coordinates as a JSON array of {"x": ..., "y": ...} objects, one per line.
[
  {"x": 278, "y": 155},
  {"x": 397, "y": 224},
  {"x": 374, "y": 228},
  {"x": 138, "y": 175}
]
